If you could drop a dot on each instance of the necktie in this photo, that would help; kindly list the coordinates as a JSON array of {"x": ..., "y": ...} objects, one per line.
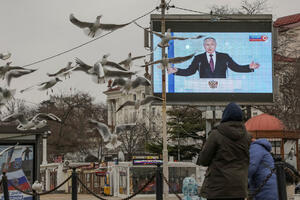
[{"x": 211, "y": 63}]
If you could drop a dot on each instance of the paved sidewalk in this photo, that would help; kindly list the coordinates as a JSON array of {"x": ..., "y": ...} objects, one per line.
[{"x": 90, "y": 197}]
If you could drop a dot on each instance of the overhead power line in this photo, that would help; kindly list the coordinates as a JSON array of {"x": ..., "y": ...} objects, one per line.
[{"x": 81, "y": 45}]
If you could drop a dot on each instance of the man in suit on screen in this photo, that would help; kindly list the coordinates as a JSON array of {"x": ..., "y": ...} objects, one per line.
[{"x": 212, "y": 64}]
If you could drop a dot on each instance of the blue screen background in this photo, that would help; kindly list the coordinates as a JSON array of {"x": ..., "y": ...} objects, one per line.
[{"x": 237, "y": 45}]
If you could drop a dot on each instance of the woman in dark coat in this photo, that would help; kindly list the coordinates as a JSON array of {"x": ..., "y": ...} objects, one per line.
[
  {"x": 261, "y": 164},
  {"x": 226, "y": 153}
]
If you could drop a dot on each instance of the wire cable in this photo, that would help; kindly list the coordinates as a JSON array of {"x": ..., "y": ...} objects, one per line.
[{"x": 81, "y": 45}]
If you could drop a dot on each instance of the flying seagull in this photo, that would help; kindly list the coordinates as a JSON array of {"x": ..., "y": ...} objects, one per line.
[
  {"x": 114, "y": 142},
  {"x": 16, "y": 73},
  {"x": 129, "y": 84},
  {"x": 117, "y": 73},
  {"x": 102, "y": 72},
  {"x": 44, "y": 85},
  {"x": 128, "y": 61},
  {"x": 169, "y": 61},
  {"x": 5, "y": 56},
  {"x": 6, "y": 68},
  {"x": 38, "y": 121},
  {"x": 138, "y": 103},
  {"x": 8, "y": 148},
  {"x": 168, "y": 36},
  {"x": 37, "y": 186},
  {"x": 104, "y": 131},
  {"x": 165, "y": 38},
  {"x": 93, "y": 29},
  {"x": 6, "y": 95},
  {"x": 95, "y": 71},
  {"x": 104, "y": 62},
  {"x": 66, "y": 71}
]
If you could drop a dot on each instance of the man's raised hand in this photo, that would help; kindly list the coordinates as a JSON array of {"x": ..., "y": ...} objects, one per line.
[
  {"x": 172, "y": 70},
  {"x": 254, "y": 65}
]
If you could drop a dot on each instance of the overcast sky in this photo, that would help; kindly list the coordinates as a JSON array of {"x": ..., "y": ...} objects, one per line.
[{"x": 35, "y": 29}]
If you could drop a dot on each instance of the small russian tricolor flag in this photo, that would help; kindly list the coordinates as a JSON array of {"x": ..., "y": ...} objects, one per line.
[{"x": 258, "y": 38}]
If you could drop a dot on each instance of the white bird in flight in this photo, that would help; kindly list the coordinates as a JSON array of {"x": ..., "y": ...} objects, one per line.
[
  {"x": 37, "y": 186},
  {"x": 101, "y": 72},
  {"x": 93, "y": 29},
  {"x": 65, "y": 72},
  {"x": 128, "y": 61},
  {"x": 8, "y": 148},
  {"x": 107, "y": 136},
  {"x": 37, "y": 122},
  {"x": 20, "y": 71},
  {"x": 6, "y": 95},
  {"x": 168, "y": 61},
  {"x": 113, "y": 65},
  {"x": 95, "y": 71},
  {"x": 44, "y": 85},
  {"x": 127, "y": 85},
  {"x": 168, "y": 36},
  {"x": 16, "y": 73},
  {"x": 5, "y": 56},
  {"x": 139, "y": 103},
  {"x": 165, "y": 38}
]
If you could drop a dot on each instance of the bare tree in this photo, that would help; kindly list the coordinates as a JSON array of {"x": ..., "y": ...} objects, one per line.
[
  {"x": 148, "y": 129},
  {"x": 246, "y": 8},
  {"x": 253, "y": 8},
  {"x": 71, "y": 135},
  {"x": 287, "y": 68},
  {"x": 223, "y": 10},
  {"x": 16, "y": 106}
]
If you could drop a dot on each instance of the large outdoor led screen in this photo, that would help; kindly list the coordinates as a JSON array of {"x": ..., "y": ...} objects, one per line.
[{"x": 229, "y": 64}]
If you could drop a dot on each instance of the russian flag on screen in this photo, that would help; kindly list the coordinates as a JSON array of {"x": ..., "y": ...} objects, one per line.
[
  {"x": 258, "y": 38},
  {"x": 19, "y": 179}
]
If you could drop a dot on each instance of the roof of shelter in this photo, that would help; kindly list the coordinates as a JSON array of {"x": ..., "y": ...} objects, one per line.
[
  {"x": 12, "y": 128},
  {"x": 264, "y": 122},
  {"x": 290, "y": 19}
]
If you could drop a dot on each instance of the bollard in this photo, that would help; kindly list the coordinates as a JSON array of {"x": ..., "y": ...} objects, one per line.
[
  {"x": 281, "y": 183},
  {"x": 74, "y": 184},
  {"x": 5, "y": 187},
  {"x": 159, "y": 183}
]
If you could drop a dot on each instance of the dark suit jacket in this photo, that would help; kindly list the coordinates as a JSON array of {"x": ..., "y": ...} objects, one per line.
[{"x": 223, "y": 61}]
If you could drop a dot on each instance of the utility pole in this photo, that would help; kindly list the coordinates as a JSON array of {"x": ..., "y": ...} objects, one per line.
[{"x": 164, "y": 107}]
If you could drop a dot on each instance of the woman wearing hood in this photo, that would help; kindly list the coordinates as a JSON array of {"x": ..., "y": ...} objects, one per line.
[
  {"x": 261, "y": 165},
  {"x": 226, "y": 153}
]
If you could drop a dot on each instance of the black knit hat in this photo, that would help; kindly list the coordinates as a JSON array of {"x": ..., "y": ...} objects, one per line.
[{"x": 232, "y": 112}]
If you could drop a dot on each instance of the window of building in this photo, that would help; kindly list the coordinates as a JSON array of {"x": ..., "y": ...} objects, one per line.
[
  {"x": 153, "y": 111},
  {"x": 125, "y": 116},
  {"x": 134, "y": 116},
  {"x": 153, "y": 126},
  {"x": 144, "y": 113},
  {"x": 134, "y": 97}
]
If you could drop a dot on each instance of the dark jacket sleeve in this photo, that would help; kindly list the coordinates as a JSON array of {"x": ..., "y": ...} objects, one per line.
[
  {"x": 209, "y": 149},
  {"x": 236, "y": 67},
  {"x": 191, "y": 69}
]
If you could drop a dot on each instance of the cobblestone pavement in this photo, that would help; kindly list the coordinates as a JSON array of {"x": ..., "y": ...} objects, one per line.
[{"x": 90, "y": 197}]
